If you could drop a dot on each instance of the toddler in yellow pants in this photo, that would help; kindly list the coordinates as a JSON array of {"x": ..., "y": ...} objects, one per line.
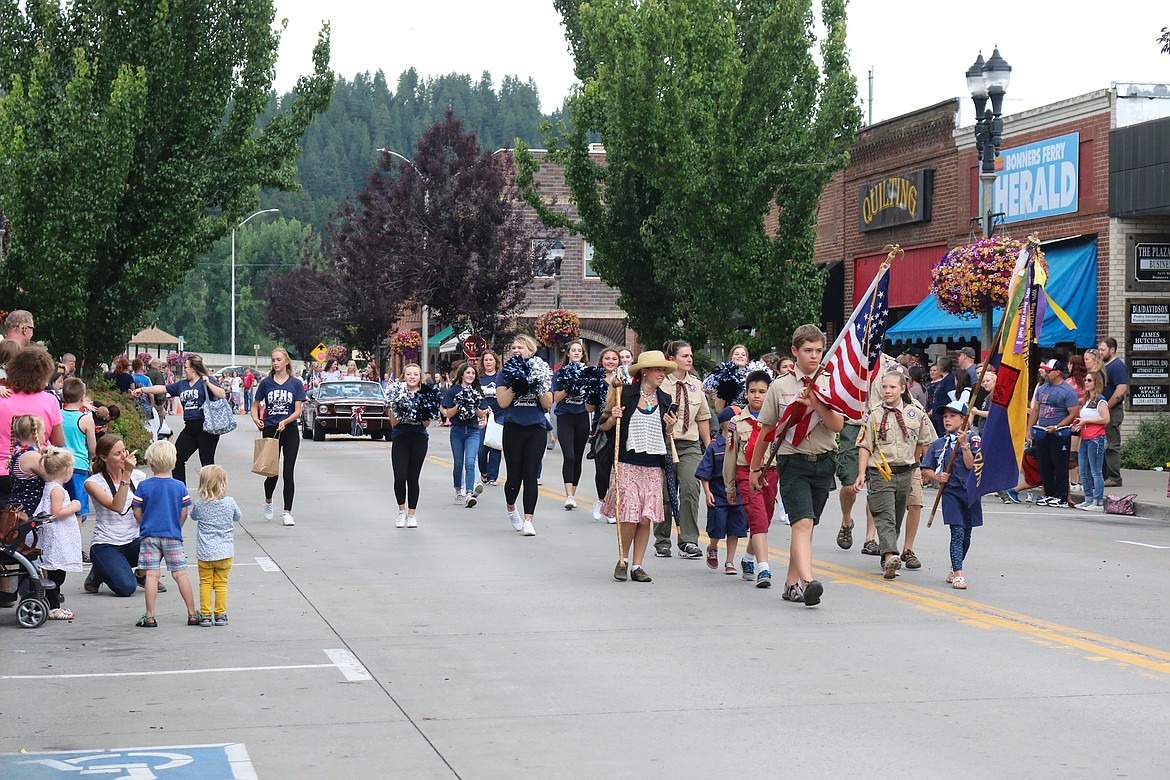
[{"x": 216, "y": 514}]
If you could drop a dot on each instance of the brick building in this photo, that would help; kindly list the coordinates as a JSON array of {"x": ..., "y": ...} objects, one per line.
[{"x": 914, "y": 181}]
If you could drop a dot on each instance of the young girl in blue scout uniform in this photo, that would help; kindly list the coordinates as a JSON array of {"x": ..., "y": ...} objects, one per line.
[
  {"x": 957, "y": 513},
  {"x": 724, "y": 519}
]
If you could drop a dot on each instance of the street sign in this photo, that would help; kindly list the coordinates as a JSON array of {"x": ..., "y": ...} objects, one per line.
[{"x": 319, "y": 352}]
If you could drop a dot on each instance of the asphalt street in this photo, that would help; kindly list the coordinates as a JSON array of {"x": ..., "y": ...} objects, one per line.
[{"x": 461, "y": 649}]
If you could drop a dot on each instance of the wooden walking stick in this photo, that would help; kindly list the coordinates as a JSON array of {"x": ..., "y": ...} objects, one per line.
[{"x": 617, "y": 482}]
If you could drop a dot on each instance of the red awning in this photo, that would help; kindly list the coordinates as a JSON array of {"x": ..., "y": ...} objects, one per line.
[{"x": 909, "y": 275}]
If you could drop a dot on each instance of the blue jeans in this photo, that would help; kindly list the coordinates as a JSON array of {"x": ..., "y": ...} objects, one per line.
[
  {"x": 489, "y": 462},
  {"x": 113, "y": 565},
  {"x": 248, "y": 392},
  {"x": 464, "y": 453},
  {"x": 1092, "y": 456}
]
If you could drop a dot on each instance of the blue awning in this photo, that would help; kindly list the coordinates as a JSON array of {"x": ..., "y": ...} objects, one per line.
[{"x": 1072, "y": 284}]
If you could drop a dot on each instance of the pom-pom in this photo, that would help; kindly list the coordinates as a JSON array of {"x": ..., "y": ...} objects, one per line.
[
  {"x": 726, "y": 381},
  {"x": 402, "y": 403},
  {"x": 594, "y": 385},
  {"x": 571, "y": 378},
  {"x": 758, "y": 365},
  {"x": 427, "y": 401},
  {"x": 539, "y": 376},
  {"x": 514, "y": 375},
  {"x": 467, "y": 402},
  {"x": 624, "y": 375}
]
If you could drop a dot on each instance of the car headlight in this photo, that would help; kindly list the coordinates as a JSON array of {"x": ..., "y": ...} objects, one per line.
[{"x": 323, "y": 408}]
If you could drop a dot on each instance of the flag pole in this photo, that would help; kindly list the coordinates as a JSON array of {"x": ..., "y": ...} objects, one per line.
[
  {"x": 998, "y": 342},
  {"x": 895, "y": 251}
]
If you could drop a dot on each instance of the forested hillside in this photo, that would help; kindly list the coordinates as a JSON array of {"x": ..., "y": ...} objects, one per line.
[{"x": 337, "y": 153}]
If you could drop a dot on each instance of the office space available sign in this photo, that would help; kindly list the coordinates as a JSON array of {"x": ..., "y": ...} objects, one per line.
[
  {"x": 1038, "y": 180},
  {"x": 895, "y": 200}
]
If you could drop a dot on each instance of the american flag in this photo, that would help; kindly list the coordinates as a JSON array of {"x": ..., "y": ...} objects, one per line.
[{"x": 849, "y": 363}]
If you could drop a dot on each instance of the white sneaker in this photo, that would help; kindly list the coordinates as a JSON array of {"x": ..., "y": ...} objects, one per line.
[
  {"x": 268, "y": 511},
  {"x": 401, "y": 521},
  {"x": 412, "y": 521},
  {"x": 528, "y": 529},
  {"x": 460, "y": 497},
  {"x": 471, "y": 501},
  {"x": 478, "y": 488},
  {"x": 571, "y": 502},
  {"x": 287, "y": 519},
  {"x": 517, "y": 520},
  {"x": 597, "y": 511},
  {"x": 611, "y": 520}
]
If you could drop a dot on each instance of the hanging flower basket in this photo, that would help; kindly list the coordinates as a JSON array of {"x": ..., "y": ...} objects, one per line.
[
  {"x": 337, "y": 352},
  {"x": 557, "y": 327},
  {"x": 175, "y": 359},
  {"x": 145, "y": 357},
  {"x": 974, "y": 278},
  {"x": 406, "y": 343}
]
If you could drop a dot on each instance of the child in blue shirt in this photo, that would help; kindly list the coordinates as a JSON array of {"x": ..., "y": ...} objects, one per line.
[
  {"x": 724, "y": 519},
  {"x": 957, "y": 513},
  {"x": 160, "y": 507}
]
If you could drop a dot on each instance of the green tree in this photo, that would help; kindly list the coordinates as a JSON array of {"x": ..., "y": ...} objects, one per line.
[
  {"x": 710, "y": 112},
  {"x": 131, "y": 141}
]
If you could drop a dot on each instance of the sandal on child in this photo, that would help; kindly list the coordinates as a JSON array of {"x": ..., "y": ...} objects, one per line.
[
  {"x": 958, "y": 583},
  {"x": 205, "y": 619},
  {"x": 147, "y": 622},
  {"x": 193, "y": 618},
  {"x": 950, "y": 578},
  {"x": 221, "y": 620},
  {"x": 60, "y": 614}
]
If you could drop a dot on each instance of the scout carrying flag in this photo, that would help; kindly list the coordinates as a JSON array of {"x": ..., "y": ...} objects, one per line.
[{"x": 998, "y": 461}]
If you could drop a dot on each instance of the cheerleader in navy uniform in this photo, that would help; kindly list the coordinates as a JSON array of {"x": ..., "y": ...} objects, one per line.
[
  {"x": 526, "y": 394},
  {"x": 412, "y": 407}
]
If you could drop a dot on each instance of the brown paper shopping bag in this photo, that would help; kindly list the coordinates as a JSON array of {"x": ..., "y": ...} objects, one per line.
[{"x": 266, "y": 457}]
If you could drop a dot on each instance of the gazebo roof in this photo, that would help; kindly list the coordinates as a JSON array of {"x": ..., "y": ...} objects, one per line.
[{"x": 153, "y": 336}]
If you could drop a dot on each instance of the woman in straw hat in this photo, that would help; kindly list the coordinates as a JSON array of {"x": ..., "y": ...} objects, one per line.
[{"x": 643, "y": 458}]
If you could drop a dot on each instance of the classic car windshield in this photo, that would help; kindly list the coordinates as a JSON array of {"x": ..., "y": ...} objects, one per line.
[{"x": 350, "y": 390}]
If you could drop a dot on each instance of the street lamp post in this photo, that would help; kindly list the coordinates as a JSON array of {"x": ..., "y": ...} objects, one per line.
[
  {"x": 988, "y": 81},
  {"x": 425, "y": 351},
  {"x": 237, "y": 227},
  {"x": 557, "y": 253}
]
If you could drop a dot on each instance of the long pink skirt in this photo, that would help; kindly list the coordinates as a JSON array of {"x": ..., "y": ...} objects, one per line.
[{"x": 641, "y": 495}]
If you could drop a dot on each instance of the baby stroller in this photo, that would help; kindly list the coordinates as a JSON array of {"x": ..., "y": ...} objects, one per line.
[{"x": 20, "y": 579}]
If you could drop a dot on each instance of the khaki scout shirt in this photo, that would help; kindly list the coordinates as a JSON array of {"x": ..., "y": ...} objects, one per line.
[
  {"x": 741, "y": 434},
  {"x": 897, "y": 447},
  {"x": 695, "y": 398},
  {"x": 819, "y": 439}
]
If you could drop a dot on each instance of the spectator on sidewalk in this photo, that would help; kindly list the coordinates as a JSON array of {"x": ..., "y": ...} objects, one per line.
[
  {"x": 1049, "y": 428},
  {"x": 1116, "y": 386}
]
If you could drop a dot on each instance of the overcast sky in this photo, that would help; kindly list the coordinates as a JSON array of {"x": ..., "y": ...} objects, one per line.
[{"x": 919, "y": 49}]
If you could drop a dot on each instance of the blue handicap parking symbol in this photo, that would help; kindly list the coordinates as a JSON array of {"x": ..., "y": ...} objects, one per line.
[{"x": 228, "y": 761}]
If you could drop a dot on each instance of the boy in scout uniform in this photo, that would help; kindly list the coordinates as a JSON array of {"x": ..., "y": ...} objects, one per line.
[
  {"x": 891, "y": 441},
  {"x": 807, "y": 469},
  {"x": 758, "y": 502}
]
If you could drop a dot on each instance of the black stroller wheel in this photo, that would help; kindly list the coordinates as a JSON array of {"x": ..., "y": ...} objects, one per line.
[{"x": 32, "y": 612}]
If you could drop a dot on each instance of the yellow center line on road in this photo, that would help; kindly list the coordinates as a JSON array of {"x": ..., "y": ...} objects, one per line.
[
  {"x": 1096, "y": 646},
  {"x": 986, "y": 615}
]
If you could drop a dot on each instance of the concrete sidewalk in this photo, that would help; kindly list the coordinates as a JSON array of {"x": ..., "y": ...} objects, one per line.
[{"x": 1151, "y": 489}]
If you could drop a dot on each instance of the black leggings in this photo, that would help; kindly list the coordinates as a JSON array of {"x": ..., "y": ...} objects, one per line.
[
  {"x": 603, "y": 464},
  {"x": 53, "y": 595},
  {"x": 573, "y": 434},
  {"x": 290, "y": 442},
  {"x": 407, "y": 453},
  {"x": 193, "y": 439},
  {"x": 524, "y": 448}
]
